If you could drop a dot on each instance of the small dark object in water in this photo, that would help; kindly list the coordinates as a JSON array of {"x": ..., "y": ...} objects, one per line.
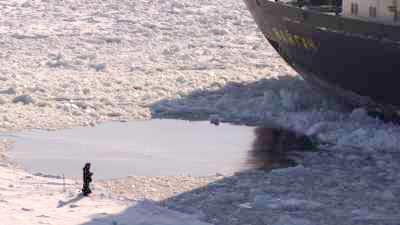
[
  {"x": 87, "y": 178},
  {"x": 214, "y": 119}
]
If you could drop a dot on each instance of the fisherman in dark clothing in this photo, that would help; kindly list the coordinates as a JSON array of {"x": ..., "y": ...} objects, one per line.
[{"x": 87, "y": 178}]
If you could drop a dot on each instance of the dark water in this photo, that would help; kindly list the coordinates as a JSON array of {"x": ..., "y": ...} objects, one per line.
[{"x": 154, "y": 148}]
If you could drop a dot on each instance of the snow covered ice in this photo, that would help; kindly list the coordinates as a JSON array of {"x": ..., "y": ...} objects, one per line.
[
  {"x": 83, "y": 62},
  {"x": 151, "y": 58}
]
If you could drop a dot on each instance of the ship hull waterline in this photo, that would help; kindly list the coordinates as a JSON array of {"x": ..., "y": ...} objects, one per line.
[{"x": 356, "y": 61}]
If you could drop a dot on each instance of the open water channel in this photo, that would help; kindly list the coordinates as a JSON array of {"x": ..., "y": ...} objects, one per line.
[{"x": 148, "y": 148}]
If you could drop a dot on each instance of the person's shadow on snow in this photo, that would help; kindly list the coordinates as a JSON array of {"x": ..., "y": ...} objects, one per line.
[{"x": 73, "y": 200}]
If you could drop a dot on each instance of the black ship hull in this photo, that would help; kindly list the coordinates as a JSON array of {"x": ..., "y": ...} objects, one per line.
[{"x": 357, "y": 61}]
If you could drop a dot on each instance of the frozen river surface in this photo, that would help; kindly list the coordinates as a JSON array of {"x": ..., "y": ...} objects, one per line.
[
  {"x": 148, "y": 148},
  {"x": 152, "y": 148}
]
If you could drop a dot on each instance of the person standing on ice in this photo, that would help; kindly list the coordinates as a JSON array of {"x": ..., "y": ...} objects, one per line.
[{"x": 87, "y": 178}]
